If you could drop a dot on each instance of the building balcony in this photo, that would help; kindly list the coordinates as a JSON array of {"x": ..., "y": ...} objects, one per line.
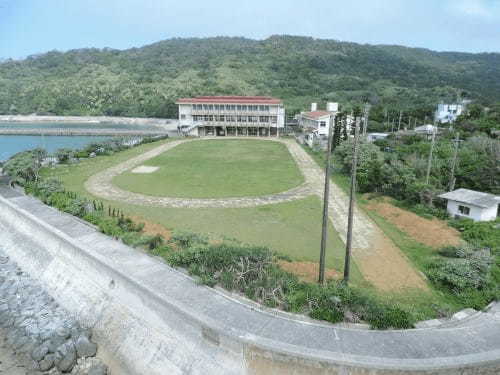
[{"x": 236, "y": 124}]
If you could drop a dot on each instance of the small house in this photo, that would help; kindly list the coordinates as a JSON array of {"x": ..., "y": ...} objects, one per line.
[
  {"x": 372, "y": 137},
  {"x": 317, "y": 121},
  {"x": 426, "y": 129},
  {"x": 475, "y": 205}
]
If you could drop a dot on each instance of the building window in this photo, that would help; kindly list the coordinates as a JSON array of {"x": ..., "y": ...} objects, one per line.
[
  {"x": 243, "y": 107},
  {"x": 264, "y": 119},
  {"x": 183, "y": 117},
  {"x": 274, "y": 119},
  {"x": 216, "y": 107},
  {"x": 322, "y": 124},
  {"x": 464, "y": 210}
]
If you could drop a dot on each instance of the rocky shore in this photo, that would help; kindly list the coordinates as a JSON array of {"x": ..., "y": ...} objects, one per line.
[{"x": 37, "y": 336}]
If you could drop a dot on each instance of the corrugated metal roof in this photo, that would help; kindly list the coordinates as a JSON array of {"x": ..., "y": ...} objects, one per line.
[
  {"x": 231, "y": 100},
  {"x": 476, "y": 198}
]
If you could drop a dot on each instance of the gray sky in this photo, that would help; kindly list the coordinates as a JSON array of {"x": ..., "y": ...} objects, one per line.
[{"x": 34, "y": 26}]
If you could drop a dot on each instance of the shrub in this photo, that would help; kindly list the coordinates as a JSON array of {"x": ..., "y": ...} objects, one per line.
[
  {"x": 465, "y": 268},
  {"x": 185, "y": 239},
  {"x": 127, "y": 225},
  {"x": 483, "y": 233},
  {"x": 247, "y": 269}
]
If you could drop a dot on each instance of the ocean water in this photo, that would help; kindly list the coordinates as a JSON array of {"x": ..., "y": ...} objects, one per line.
[{"x": 12, "y": 144}]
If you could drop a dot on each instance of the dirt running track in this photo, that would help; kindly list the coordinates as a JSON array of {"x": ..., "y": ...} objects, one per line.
[{"x": 379, "y": 260}]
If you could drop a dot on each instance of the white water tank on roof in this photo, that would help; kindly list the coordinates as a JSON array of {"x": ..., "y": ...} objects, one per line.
[
  {"x": 314, "y": 107},
  {"x": 332, "y": 107}
]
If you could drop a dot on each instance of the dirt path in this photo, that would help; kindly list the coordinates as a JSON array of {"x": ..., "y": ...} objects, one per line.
[
  {"x": 379, "y": 260},
  {"x": 101, "y": 185},
  {"x": 435, "y": 233}
]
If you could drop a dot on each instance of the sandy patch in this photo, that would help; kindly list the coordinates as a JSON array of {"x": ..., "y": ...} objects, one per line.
[
  {"x": 308, "y": 271},
  {"x": 387, "y": 268},
  {"x": 152, "y": 228},
  {"x": 144, "y": 169},
  {"x": 435, "y": 233}
]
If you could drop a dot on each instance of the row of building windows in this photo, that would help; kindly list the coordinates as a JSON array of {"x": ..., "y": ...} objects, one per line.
[
  {"x": 232, "y": 118},
  {"x": 230, "y": 107}
]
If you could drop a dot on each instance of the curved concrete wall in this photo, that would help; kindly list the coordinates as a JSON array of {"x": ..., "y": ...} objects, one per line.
[{"x": 151, "y": 319}]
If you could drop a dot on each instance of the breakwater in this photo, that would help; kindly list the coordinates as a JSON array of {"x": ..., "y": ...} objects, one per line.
[
  {"x": 89, "y": 119},
  {"x": 148, "y": 318},
  {"x": 82, "y": 132}
]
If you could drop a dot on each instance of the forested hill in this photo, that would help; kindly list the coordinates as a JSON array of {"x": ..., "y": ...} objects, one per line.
[{"x": 146, "y": 81}]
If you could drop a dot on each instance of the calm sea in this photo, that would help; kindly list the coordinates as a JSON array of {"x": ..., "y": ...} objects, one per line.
[{"x": 12, "y": 144}]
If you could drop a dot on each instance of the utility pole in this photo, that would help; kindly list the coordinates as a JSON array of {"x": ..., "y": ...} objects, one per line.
[
  {"x": 365, "y": 118},
  {"x": 454, "y": 162},
  {"x": 322, "y": 254},
  {"x": 429, "y": 162},
  {"x": 400, "y": 117},
  {"x": 352, "y": 198}
]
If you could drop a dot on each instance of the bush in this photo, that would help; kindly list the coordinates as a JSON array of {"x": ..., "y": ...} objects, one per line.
[
  {"x": 250, "y": 270},
  {"x": 484, "y": 233},
  {"x": 465, "y": 268},
  {"x": 186, "y": 239}
]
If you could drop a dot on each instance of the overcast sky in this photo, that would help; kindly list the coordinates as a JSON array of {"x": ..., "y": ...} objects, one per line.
[{"x": 34, "y": 26}]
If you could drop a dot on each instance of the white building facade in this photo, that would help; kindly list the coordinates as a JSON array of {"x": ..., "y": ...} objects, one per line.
[
  {"x": 447, "y": 113},
  {"x": 231, "y": 116},
  {"x": 475, "y": 205},
  {"x": 317, "y": 122}
]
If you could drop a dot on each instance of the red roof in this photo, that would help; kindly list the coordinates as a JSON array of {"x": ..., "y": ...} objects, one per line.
[
  {"x": 316, "y": 114},
  {"x": 231, "y": 100}
]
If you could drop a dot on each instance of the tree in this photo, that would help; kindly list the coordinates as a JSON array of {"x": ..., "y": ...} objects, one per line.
[{"x": 337, "y": 127}]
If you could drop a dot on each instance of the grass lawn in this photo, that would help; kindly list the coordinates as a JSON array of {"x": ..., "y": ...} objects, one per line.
[
  {"x": 291, "y": 228},
  {"x": 217, "y": 169}
]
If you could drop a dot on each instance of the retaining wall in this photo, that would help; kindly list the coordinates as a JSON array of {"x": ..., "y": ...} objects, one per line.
[
  {"x": 150, "y": 319},
  {"x": 87, "y": 119}
]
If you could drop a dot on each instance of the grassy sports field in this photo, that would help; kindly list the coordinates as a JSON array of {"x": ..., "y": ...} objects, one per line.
[
  {"x": 217, "y": 169},
  {"x": 292, "y": 228}
]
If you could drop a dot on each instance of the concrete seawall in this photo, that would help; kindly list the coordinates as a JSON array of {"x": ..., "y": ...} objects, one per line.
[
  {"x": 151, "y": 319},
  {"x": 88, "y": 119}
]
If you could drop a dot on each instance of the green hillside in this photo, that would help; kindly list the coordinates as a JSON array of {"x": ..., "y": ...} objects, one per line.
[{"x": 146, "y": 81}]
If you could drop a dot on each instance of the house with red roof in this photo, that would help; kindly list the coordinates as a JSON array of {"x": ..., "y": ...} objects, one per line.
[
  {"x": 260, "y": 116},
  {"x": 316, "y": 123}
]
